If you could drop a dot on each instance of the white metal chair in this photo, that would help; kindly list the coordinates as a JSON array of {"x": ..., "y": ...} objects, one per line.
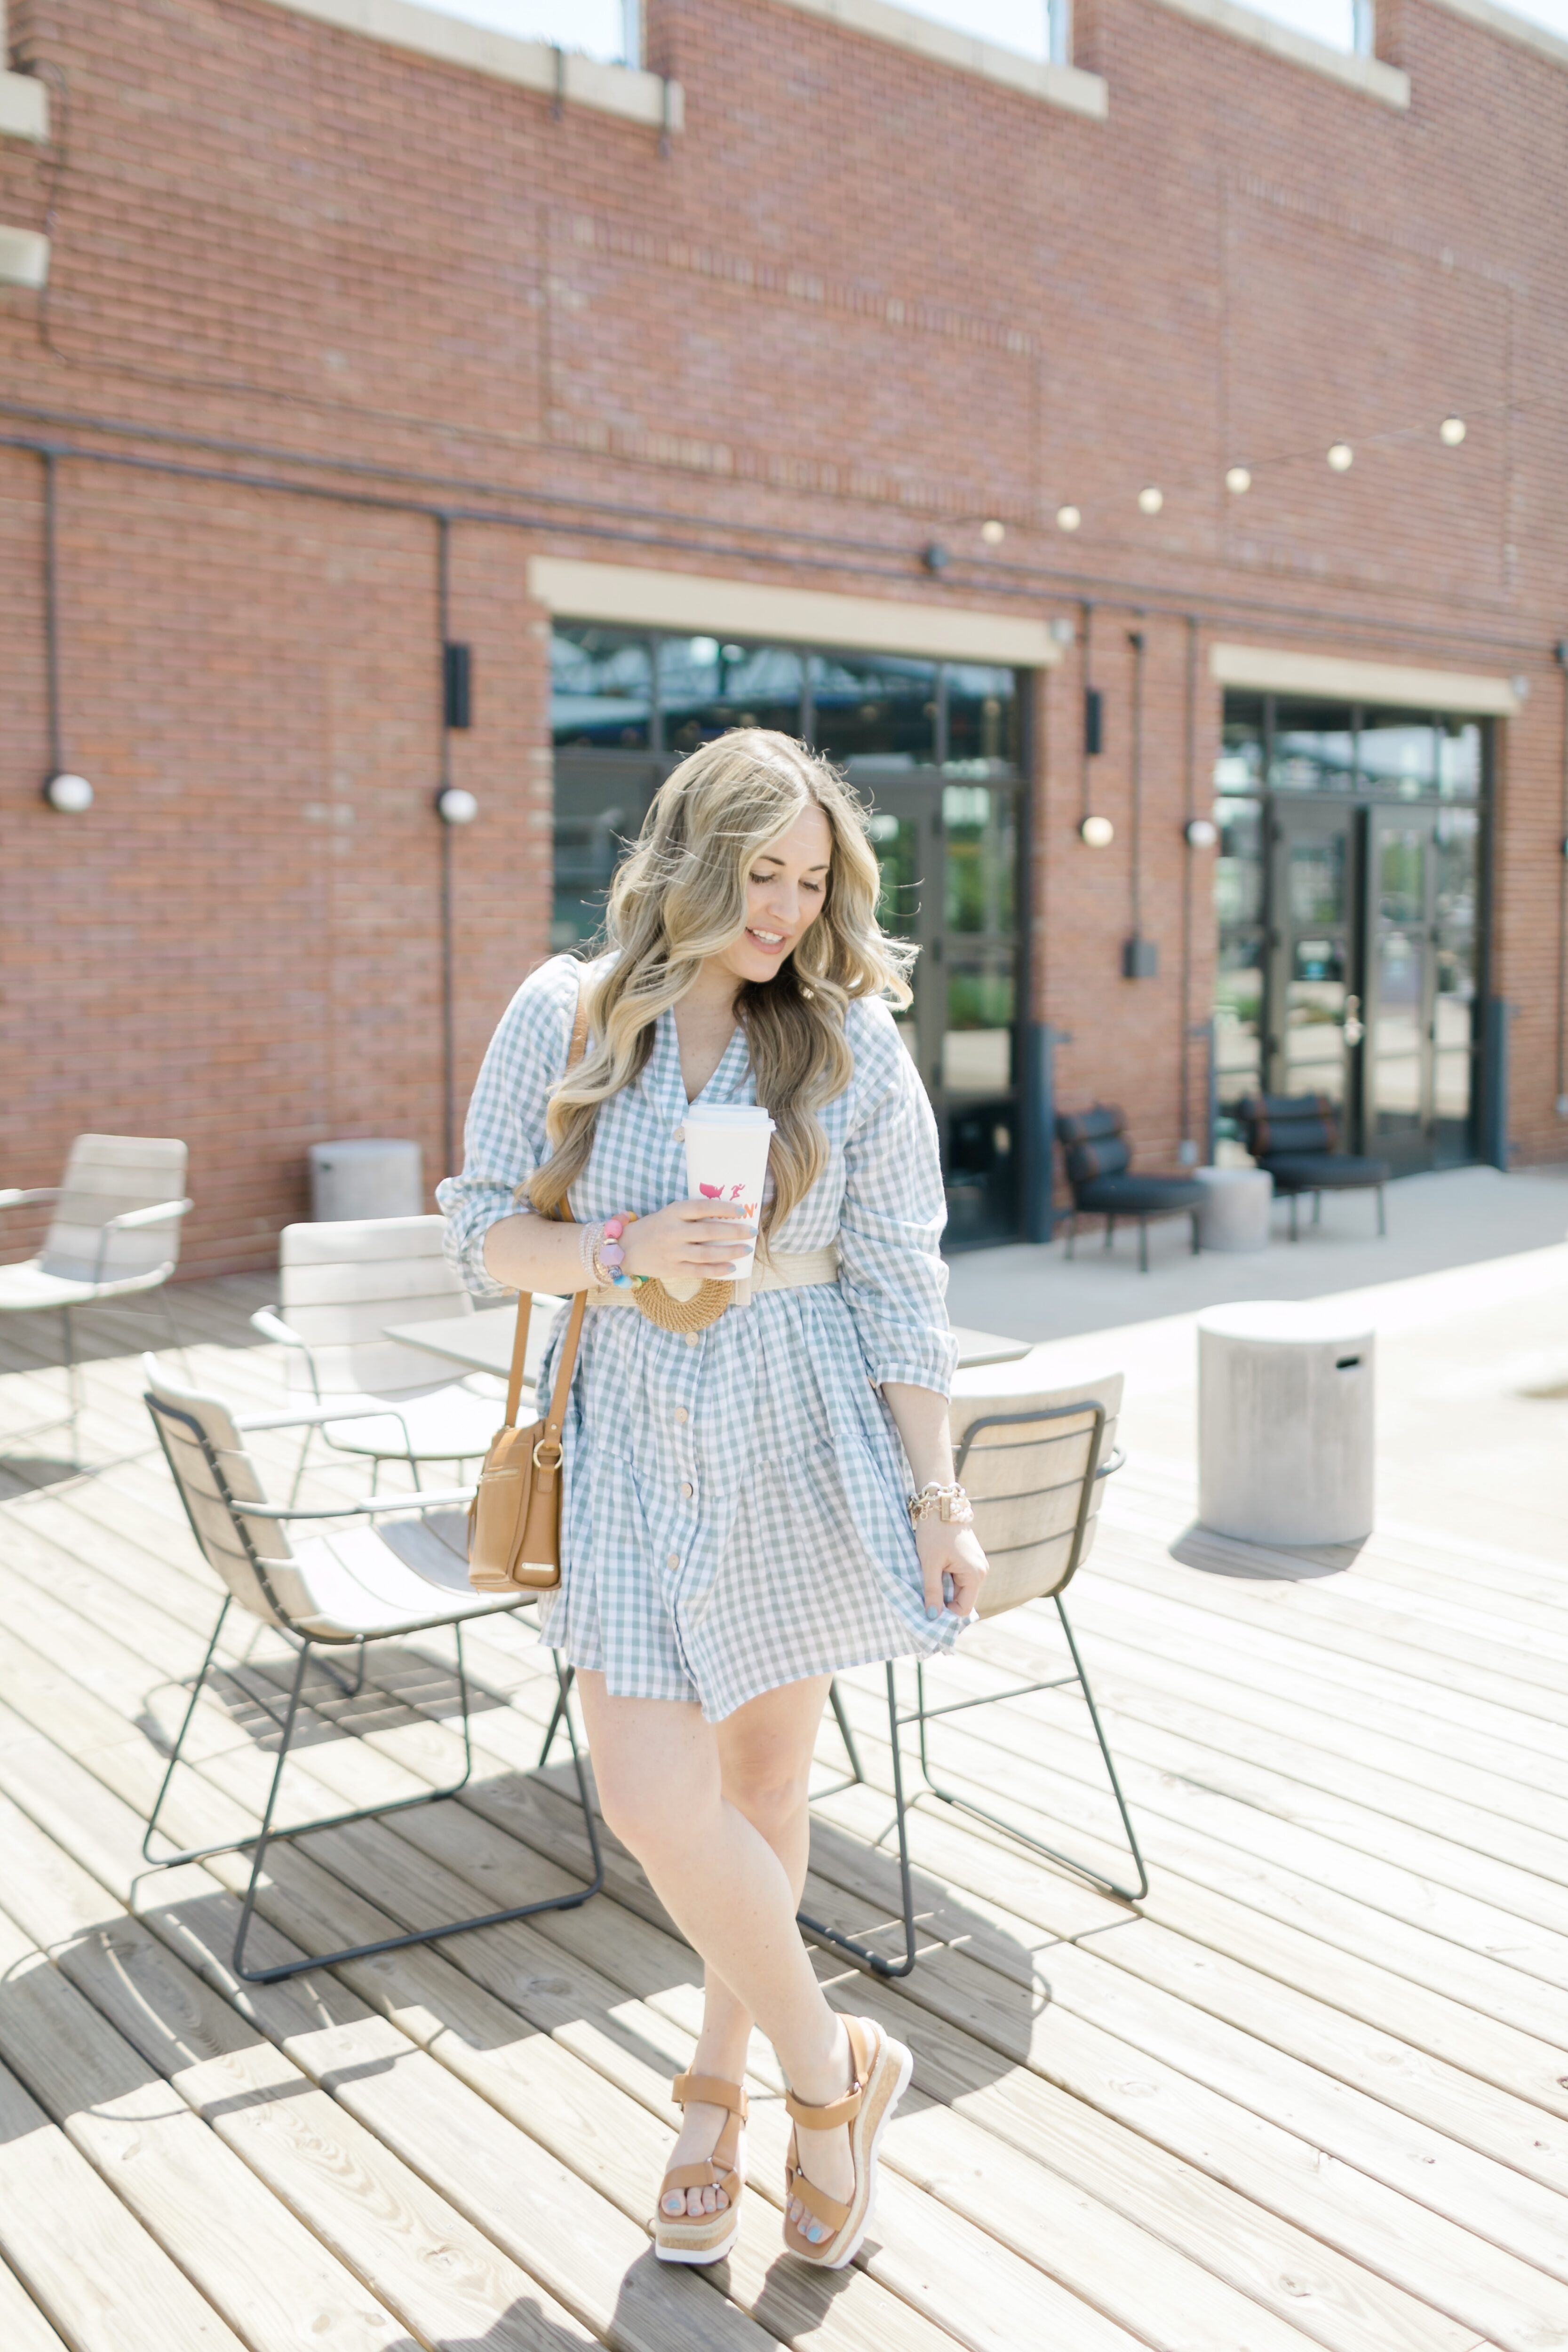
[
  {"x": 1035, "y": 1465},
  {"x": 115, "y": 1233},
  {"x": 341, "y": 1285},
  {"x": 346, "y": 1585}
]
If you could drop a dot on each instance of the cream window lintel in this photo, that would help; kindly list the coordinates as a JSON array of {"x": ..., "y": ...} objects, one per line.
[
  {"x": 577, "y": 80},
  {"x": 1388, "y": 84},
  {"x": 24, "y": 98},
  {"x": 1394, "y": 684},
  {"x": 630, "y": 595},
  {"x": 1065, "y": 86}
]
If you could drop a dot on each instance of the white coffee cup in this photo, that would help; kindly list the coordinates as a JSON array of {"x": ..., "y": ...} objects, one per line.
[{"x": 727, "y": 1159}]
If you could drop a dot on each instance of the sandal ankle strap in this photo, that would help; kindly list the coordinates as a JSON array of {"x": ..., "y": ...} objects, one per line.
[
  {"x": 710, "y": 2090},
  {"x": 844, "y": 2110}
]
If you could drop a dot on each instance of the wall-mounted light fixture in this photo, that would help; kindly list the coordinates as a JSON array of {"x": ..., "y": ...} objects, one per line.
[
  {"x": 1096, "y": 832},
  {"x": 1200, "y": 833},
  {"x": 1451, "y": 431},
  {"x": 71, "y": 795},
  {"x": 1063, "y": 632},
  {"x": 935, "y": 557},
  {"x": 457, "y": 686},
  {"x": 455, "y": 806},
  {"x": 994, "y": 531},
  {"x": 1342, "y": 457},
  {"x": 1238, "y": 480}
]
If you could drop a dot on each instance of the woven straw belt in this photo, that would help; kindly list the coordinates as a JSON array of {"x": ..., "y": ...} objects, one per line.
[{"x": 781, "y": 1270}]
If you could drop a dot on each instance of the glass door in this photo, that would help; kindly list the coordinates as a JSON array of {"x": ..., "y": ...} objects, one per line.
[
  {"x": 1421, "y": 984},
  {"x": 949, "y": 856},
  {"x": 1314, "y": 988}
]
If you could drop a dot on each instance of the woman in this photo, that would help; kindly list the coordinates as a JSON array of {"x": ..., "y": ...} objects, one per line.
[{"x": 736, "y": 1520}]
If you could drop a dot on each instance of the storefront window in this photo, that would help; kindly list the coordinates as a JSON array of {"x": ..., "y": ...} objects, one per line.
[
  {"x": 601, "y": 689},
  {"x": 874, "y": 707},
  {"x": 1396, "y": 754},
  {"x": 1459, "y": 760},
  {"x": 982, "y": 718},
  {"x": 1313, "y": 748},
  {"x": 706, "y": 686}
]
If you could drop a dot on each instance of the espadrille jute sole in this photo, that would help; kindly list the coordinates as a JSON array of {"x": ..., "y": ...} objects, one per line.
[{"x": 882, "y": 2069}]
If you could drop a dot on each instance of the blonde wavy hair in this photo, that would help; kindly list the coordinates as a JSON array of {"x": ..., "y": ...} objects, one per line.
[{"x": 679, "y": 897}]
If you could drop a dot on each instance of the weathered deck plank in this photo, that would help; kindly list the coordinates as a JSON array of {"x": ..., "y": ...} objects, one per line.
[{"x": 1313, "y": 2094}]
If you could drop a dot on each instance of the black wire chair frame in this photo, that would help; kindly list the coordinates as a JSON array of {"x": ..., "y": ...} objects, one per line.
[
  {"x": 308, "y": 1643},
  {"x": 923, "y": 1715}
]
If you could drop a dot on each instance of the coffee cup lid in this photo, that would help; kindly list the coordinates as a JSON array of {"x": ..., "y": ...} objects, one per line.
[{"x": 739, "y": 1115}]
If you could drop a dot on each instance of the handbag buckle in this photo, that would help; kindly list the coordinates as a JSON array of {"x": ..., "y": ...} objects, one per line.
[{"x": 547, "y": 1447}]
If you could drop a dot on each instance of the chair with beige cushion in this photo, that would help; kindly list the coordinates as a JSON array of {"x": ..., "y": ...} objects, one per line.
[
  {"x": 114, "y": 1233},
  {"x": 366, "y": 1572},
  {"x": 1035, "y": 1465},
  {"x": 340, "y": 1285}
]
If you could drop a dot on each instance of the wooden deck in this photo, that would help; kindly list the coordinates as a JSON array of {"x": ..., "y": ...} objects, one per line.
[{"x": 1314, "y": 2091}]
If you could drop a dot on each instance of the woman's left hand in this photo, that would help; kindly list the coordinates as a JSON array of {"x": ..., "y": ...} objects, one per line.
[{"x": 946, "y": 1550}]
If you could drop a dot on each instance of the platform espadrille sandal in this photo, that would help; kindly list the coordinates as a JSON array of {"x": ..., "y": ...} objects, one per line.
[
  {"x": 706, "y": 2237},
  {"x": 882, "y": 2069}
]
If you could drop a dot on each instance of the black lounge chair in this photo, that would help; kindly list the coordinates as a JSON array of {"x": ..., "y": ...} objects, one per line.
[
  {"x": 1296, "y": 1137},
  {"x": 1098, "y": 1163}
]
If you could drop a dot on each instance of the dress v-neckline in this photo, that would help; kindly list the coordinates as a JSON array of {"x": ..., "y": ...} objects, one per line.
[{"x": 723, "y": 1082}]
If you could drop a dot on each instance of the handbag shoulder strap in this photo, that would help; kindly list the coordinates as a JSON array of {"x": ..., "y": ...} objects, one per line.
[{"x": 574, "y": 1053}]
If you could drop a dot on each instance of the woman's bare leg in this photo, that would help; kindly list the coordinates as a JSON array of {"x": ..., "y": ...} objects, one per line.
[{"x": 700, "y": 1805}]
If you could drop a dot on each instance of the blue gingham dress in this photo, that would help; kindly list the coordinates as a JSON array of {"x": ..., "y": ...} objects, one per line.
[{"x": 734, "y": 1515}]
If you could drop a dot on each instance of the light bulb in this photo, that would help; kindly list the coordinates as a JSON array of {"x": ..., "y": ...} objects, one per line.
[
  {"x": 1068, "y": 517},
  {"x": 455, "y": 806},
  {"x": 71, "y": 795},
  {"x": 1342, "y": 457},
  {"x": 1451, "y": 431},
  {"x": 1096, "y": 832},
  {"x": 1239, "y": 481},
  {"x": 1151, "y": 500},
  {"x": 1201, "y": 833},
  {"x": 992, "y": 532}
]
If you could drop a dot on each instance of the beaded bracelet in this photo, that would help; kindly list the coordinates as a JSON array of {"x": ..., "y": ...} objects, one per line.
[{"x": 608, "y": 1259}]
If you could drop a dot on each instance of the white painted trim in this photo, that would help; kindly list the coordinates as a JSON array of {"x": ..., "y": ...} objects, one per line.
[
  {"x": 634, "y": 597},
  {"x": 1510, "y": 28},
  {"x": 24, "y": 104},
  {"x": 1066, "y": 86},
  {"x": 534, "y": 64},
  {"x": 1267, "y": 670},
  {"x": 23, "y": 258},
  {"x": 1371, "y": 76}
]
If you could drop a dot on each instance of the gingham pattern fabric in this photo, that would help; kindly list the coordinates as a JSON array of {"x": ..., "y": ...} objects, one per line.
[{"x": 734, "y": 1510}]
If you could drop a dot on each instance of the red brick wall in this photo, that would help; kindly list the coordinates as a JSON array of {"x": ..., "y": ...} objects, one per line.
[{"x": 863, "y": 301}]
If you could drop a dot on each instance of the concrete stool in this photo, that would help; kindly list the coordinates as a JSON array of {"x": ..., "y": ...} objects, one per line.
[
  {"x": 1234, "y": 1211},
  {"x": 1285, "y": 1423},
  {"x": 371, "y": 1177}
]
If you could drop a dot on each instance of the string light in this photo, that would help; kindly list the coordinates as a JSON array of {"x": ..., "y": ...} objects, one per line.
[{"x": 1340, "y": 457}]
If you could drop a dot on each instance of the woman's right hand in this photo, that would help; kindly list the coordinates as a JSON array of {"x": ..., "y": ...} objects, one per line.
[{"x": 691, "y": 1239}]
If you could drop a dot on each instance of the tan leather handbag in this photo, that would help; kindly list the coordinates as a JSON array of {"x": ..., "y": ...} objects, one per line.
[{"x": 514, "y": 1519}]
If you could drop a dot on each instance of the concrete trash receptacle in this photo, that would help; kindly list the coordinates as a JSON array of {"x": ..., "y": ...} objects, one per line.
[
  {"x": 1236, "y": 1206},
  {"x": 1285, "y": 1423},
  {"x": 373, "y": 1177}
]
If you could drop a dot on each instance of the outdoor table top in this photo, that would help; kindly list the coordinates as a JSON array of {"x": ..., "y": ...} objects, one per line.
[{"x": 481, "y": 1342}]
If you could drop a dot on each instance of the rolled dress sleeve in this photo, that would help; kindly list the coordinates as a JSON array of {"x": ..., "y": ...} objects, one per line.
[
  {"x": 504, "y": 1140},
  {"x": 890, "y": 1268}
]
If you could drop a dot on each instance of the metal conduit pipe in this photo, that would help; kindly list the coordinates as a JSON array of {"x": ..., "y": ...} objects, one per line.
[{"x": 1030, "y": 582}]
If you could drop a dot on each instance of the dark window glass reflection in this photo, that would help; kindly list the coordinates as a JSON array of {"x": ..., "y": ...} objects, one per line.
[
  {"x": 707, "y": 685},
  {"x": 875, "y": 706},
  {"x": 1459, "y": 760},
  {"x": 600, "y": 689},
  {"x": 979, "y": 826},
  {"x": 1314, "y": 747},
  {"x": 1239, "y": 767},
  {"x": 981, "y": 717},
  {"x": 1397, "y": 753}
]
